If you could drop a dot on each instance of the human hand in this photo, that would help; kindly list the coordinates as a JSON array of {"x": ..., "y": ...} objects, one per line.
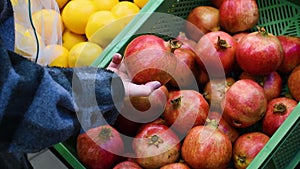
[{"x": 131, "y": 89}]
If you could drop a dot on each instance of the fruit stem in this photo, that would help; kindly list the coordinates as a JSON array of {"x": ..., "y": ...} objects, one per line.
[
  {"x": 212, "y": 123},
  {"x": 279, "y": 108},
  {"x": 155, "y": 140},
  {"x": 105, "y": 133},
  {"x": 176, "y": 102},
  {"x": 241, "y": 159},
  {"x": 222, "y": 44},
  {"x": 175, "y": 44},
  {"x": 262, "y": 30}
]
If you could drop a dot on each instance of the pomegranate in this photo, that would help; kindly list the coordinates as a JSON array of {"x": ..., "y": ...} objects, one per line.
[
  {"x": 156, "y": 121},
  {"x": 245, "y": 103},
  {"x": 291, "y": 48},
  {"x": 272, "y": 83},
  {"x": 238, "y": 15},
  {"x": 100, "y": 147},
  {"x": 127, "y": 165},
  {"x": 246, "y": 147},
  {"x": 214, "y": 91},
  {"x": 202, "y": 77},
  {"x": 155, "y": 146},
  {"x": 277, "y": 111},
  {"x": 259, "y": 53},
  {"x": 184, "y": 75},
  {"x": 201, "y": 20},
  {"x": 131, "y": 126},
  {"x": 293, "y": 83},
  {"x": 206, "y": 147},
  {"x": 149, "y": 58},
  {"x": 185, "y": 109},
  {"x": 223, "y": 126},
  {"x": 177, "y": 165},
  {"x": 146, "y": 108},
  {"x": 239, "y": 36},
  {"x": 213, "y": 48}
]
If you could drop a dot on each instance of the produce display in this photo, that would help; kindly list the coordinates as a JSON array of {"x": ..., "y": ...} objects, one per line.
[
  {"x": 225, "y": 91},
  {"x": 73, "y": 33}
]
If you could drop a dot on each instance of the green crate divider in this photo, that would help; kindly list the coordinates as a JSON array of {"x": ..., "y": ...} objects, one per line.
[
  {"x": 68, "y": 155},
  {"x": 279, "y": 17},
  {"x": 283, "y": 149}
]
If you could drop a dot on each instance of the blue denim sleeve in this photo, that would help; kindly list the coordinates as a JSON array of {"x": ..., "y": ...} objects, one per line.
[{"x": 42, "y": 106}]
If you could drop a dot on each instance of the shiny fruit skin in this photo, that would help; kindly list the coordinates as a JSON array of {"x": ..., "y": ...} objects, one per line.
[
  {"x": 291, "y": 48},
  {"x": 271, "y": 83},
  {"x": 238, "y": 15},
  {"x": 148, "y": 107},
  {"x": 278, "y": 110},
  {"x": 206, "y": 147},
  {"x": 184, "y": 75},
  {"x": 259, "y": 53},
  {"x": 245, "y": 103},
  {"x": 215, "y": 47},
  {"x": 100, "y": 147},
  {"x": 177, "y": 165},
  {"x": 127, "y": 165},
  {"x": 231, "y": 132},
  {"x": 185, "y": 109},
  {"x": 149, "y": 58},
  {"x": 201, "y": 20},
  {"x": 293, "y": 83},
  {"x": 155, "y": 146},
  {"x": 246, "y": 147}
]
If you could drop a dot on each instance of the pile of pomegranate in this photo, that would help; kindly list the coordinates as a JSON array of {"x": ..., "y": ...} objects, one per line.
[{"x": 225, "y": 92}]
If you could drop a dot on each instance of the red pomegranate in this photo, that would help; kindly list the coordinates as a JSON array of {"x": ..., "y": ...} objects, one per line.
[
  {"x": 245, "y": 103},
  {"x": 201, "y": 20},
  {"x": 238, "y": 15},
  {"x": 100, "y": 147},
  {"x": 259, "y": 53},
  {"x": 213, "y": 48},
  {"x": 184, "y": 75},
  {"x": 149, "y": 58},
  {"x": 278, "y": 110},
  {"x": 155, "y": 146},
  {"x": 271, "y": 83},
  {"x": 293, "y": 83},
  {"x": 127, "y": 165},
  {"x": 177, "y": 165},
  {"x": 185, "y": 109},
  {"x": 231, "y": 132},
  {"x": 206, "y": 147},
  {"x": 291, "y": 48},
  {"x": 246, "y": 147}
]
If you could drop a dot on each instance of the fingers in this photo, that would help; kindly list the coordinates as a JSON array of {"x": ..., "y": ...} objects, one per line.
[
  {"x": 153, "y": 85},
  {"x": 141, "y": 90},
  {"x": 115, "y": 62},
  {"x": 117, "y": 58}
]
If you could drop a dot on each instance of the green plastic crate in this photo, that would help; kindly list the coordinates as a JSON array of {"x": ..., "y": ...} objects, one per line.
[{"x": 280, "y": 17}]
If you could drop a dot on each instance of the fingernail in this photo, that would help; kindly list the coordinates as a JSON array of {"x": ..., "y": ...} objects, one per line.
[{"x": 155, "y": 84}]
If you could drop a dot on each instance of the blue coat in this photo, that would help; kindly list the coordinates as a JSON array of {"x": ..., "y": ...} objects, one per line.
[{"x": 42, "y": 106}]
